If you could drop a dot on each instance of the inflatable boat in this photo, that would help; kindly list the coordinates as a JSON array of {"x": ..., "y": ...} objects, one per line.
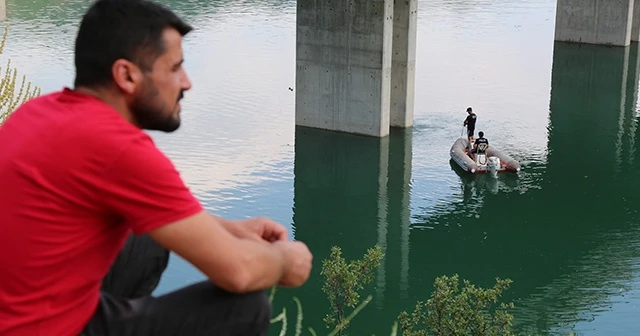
[{"x": 491, "y": 161}]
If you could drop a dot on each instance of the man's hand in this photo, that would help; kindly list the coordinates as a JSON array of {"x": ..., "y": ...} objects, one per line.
[
  {"x": 298, "y": 262},
  {"x": 297, "y": 257},
  {"x": 260, "y": 229}
]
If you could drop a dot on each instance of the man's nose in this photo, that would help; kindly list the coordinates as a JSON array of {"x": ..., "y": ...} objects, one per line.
[{"x": 186, "y": 83}]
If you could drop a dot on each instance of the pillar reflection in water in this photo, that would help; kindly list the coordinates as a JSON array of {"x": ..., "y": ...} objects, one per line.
[
  {"x": 399, "y": 191},
  {"x": 630, "y": 110},
  {"x": 592, "y": 108},
  {"x": 590, "y": 164},
  {"x": 353, "y": 192}
]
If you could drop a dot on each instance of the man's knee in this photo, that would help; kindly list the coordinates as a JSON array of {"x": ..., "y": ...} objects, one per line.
[
  {"x": 249, "y": 314},
  {"x": 259, "y": 303},
  {"x": 138, "y": 268}
]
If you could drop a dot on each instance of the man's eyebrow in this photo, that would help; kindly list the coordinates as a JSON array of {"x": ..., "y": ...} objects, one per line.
[{"x": 178, "y": 64}]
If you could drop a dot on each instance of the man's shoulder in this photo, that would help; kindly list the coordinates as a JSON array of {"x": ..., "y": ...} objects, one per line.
[
  {"x": 88, "y": 118},
  {"x": 83, "y": 126},
  {"x": 109, "y": 140},
  {"x": 102, "y": 133}
]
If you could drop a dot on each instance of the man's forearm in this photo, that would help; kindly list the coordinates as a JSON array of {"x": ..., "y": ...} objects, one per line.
[
  {"x": 229, "y": 225},
  {"x": 263, "y": 263},
  {"x": 261, "y": 266}
]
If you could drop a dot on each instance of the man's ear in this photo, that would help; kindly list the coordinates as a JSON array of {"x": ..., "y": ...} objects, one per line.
[{"x": 126, "y": 75}]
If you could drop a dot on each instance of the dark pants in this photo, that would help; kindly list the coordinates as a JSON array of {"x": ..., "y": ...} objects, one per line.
[{"x": 127, "y": 307}]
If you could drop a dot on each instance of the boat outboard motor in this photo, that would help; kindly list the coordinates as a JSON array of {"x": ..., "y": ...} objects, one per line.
[
  {"x": 481, "y": 159},
  {"x": 493, "y": 165}
]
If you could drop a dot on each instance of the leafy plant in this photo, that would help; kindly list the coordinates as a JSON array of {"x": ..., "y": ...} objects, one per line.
[
  {"x": 449, "y": 311},
  {"x": 9, "y": 98},
  {"x": 343, "y": 281},
  {"x": 455, "y": 312}
]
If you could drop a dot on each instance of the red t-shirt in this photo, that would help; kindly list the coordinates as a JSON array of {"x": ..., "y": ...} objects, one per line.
[{"x": 75, "y": 178}]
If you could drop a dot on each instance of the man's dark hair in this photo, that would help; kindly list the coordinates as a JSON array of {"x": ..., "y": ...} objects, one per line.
[
  {"x": 481, "y": 134},
  {"x": 115, "y": 29},
  {"x": 469, "y": 109}
]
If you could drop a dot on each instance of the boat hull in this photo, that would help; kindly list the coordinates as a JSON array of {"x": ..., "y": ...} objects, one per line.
[{"x": 460, "y": 155}]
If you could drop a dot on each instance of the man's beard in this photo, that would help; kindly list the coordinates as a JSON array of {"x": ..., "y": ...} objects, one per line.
[{"x": 151, "y": 114}]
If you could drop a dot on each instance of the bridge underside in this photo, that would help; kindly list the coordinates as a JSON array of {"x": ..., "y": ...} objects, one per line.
[
  {"x": 355, "y": 65},
  {"x": 607, "y": 22}
]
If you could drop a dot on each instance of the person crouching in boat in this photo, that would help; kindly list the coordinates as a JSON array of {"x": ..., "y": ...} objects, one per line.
[
  {"x": 480, "y": 148},
  {"x": 481, "y": 144}
]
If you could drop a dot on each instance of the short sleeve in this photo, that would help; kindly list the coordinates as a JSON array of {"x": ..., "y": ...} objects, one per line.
[{"x": 143, "y": 188}]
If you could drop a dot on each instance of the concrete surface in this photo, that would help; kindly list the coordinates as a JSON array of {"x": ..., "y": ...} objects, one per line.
[
  {"x": 345, "y": 53},
  {"x": 607, "y": 22}
]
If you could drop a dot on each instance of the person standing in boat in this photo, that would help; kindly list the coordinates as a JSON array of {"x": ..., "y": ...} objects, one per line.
[
  {"x": 481, "y": 144},
  {"x": 470, "y": 122}
]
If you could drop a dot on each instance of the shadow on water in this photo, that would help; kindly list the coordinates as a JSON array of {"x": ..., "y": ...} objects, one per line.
[{"x": 569, "y": 241}]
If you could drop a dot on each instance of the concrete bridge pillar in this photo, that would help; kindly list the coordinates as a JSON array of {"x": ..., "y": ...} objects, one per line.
[
  {"x": 403, "y": 69},
  {"x": 608, "y": 22},
  {"x": 355, "y": 65},
  {"x": 635, "y": 25},
  {"x": 3, "y": 10}
]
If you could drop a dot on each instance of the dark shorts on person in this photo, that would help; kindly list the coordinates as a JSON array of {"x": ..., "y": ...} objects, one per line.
[
  {"x": 470, "y": 131},
  {"x": 198, "y": 309}
]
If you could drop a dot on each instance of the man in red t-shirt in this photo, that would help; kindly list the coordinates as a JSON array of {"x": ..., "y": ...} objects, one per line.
[{"x": 78, "y": 174}]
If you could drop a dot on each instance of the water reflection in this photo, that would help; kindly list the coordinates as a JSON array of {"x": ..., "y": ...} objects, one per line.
[
  {"x": 561, "y": 242},
  {"x": 353, "y": 192},
  {"x": 593, "y": 107},
  {"x": 593, "y": 95}
]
